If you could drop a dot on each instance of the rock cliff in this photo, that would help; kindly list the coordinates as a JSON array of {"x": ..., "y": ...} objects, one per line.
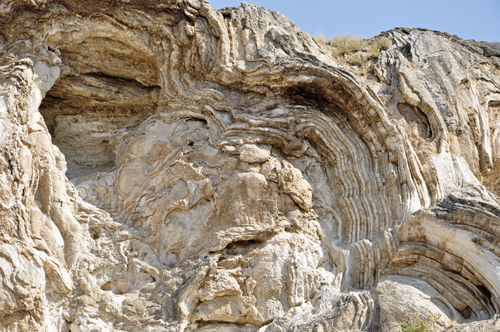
[{"x": 166, "y": 166}]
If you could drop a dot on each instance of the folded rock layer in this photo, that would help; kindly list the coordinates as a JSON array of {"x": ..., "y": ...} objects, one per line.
[{"x": 166, "y": 166}]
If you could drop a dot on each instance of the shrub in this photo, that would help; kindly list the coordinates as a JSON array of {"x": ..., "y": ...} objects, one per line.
[
  {"x": 384, "y": 43},
  {"x": 354, "y": 59},
  {"x": 415, "y": 324},
  {"x": 320, "y": 38},
  {"x": 347, "y": 43},
  {"x": 354, "y": 50}
]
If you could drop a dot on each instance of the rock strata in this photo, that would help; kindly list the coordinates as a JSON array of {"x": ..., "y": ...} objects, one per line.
[{"x": 166, "y": 166}]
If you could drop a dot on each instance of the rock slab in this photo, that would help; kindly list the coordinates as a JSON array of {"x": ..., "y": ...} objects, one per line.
[{"x": 166, "y": 166}]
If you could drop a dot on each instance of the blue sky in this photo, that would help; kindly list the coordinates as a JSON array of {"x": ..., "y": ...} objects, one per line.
[{"x": 468, "y": 19}]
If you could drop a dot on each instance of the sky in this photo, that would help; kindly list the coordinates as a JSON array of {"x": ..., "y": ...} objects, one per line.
[{"x": 468, "y": 19}]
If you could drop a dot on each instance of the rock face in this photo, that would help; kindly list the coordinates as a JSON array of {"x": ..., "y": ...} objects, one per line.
[{"x": 166, "y": 166}]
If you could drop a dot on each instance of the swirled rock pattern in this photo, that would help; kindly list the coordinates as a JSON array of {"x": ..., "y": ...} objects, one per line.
[{"x": 166, "y": 166}]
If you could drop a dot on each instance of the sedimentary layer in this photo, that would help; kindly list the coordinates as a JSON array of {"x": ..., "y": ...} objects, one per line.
[{"x": 166, "y": 166}]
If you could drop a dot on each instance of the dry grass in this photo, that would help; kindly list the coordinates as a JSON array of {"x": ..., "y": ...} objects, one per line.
[
  {"x": 354, "y": 50},
  {"x": 358, "y": 61},
  {"x": 415, "y": 324}
]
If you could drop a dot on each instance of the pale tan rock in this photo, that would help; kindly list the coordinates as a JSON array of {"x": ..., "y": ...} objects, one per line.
[
  {"x": 291, "y": 182},
  {"x": 172, "y": 167},
  {"x": 251, "y": 153},
  {"x": 400, "y": 297}
]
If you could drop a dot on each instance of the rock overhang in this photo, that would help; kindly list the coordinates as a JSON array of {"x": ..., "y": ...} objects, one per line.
[{"x": 245, "y": 170}]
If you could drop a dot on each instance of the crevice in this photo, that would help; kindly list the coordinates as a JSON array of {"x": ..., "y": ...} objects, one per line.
[
  {"x": 307, "y": 95},
  {"x": 120, "y": 80},
  {"x": 242, "y": 323},
  {"x": 84, "y": 115},
  {"x": 244, "y": 243},
  {"x": 415, "y": 117}
]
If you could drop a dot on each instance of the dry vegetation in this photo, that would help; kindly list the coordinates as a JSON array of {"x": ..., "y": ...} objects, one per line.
[
  {"x": 416, "y": 324},
  {"x": 356, "y": 51}
]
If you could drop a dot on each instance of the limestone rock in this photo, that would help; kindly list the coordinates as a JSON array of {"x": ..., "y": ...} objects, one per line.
[
  {"x": 400, "y": 297},
  {"x": 166, "y": 166},
  {"x": 251, "y": 154}
]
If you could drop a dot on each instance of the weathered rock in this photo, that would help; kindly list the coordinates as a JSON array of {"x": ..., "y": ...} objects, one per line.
[
  {"x": 169, "y": 167},
  {"x": 399, "y": 297}
]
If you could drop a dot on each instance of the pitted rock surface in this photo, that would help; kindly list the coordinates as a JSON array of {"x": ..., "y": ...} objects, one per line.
[{"x": 166, "y": 166}]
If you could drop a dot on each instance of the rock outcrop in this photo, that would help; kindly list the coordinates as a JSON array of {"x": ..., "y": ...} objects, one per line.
[{"x": 166, "y": 166}]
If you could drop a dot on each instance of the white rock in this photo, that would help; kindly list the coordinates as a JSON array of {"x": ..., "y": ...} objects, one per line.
[{"x": 251, "y": 153}]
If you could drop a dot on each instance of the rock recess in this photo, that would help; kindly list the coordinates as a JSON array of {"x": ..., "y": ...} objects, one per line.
[{"x": 166, "y": 166}]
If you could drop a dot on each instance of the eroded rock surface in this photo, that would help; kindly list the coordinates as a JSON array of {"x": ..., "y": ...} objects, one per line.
[{"x": 167, "y": 166}]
